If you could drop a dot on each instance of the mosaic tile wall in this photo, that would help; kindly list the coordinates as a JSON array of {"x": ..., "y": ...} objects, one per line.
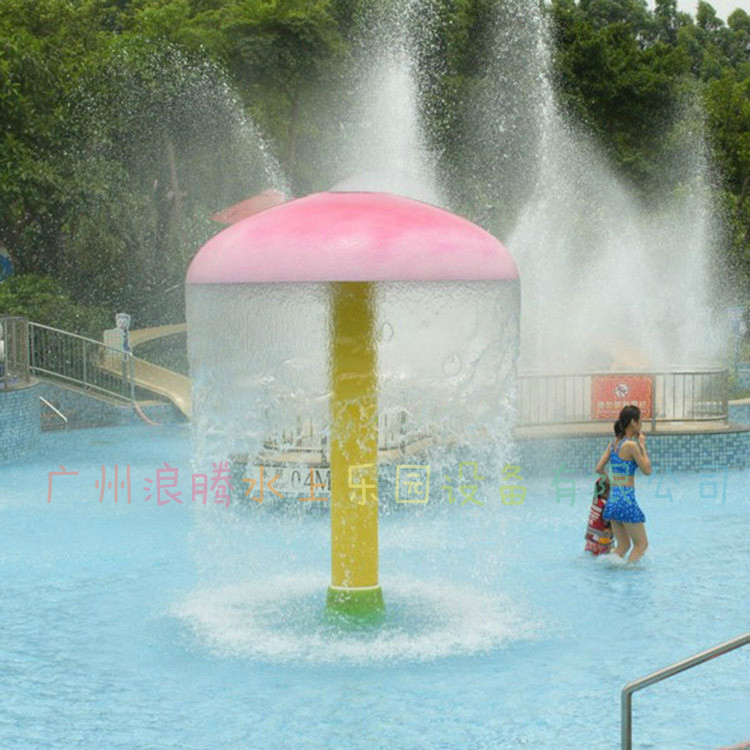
[
  {"x": 542, "y": 456},
  {"x": 19, "y": 422},
  {"x": 20, "y": 429},
  {"x": 739, "y": 412},
  {"x": 89, "y": 411}
]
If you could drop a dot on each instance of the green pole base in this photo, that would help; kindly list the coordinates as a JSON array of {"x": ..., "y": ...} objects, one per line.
[{"x": 359, "y": 603}]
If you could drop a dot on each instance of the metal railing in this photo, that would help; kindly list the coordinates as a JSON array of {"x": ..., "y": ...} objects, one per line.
[
  {"x": 626, "y": 701},
  {"x": 82, "y": 361},
  {"x": 14, "y": 350},
  {"x": 678, "y": 396}
]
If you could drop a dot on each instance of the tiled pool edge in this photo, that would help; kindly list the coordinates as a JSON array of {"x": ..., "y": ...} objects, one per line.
[
  {"x": 537, "y": 455},
  {"x": 85, "y": 410},
  {"x": 19, "y": 421},
  {"x": 739, "y": 411},
  {"x": 690, "y": 451}
]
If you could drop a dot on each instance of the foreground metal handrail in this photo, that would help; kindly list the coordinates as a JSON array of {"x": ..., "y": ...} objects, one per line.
[{"x": 626, "y": 701}]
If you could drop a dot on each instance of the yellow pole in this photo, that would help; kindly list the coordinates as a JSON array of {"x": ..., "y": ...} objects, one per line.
[{"x": 354, "y": 451}]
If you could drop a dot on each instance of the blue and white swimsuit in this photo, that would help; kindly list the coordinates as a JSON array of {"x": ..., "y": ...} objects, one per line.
[{"x": 622, "y": 505}]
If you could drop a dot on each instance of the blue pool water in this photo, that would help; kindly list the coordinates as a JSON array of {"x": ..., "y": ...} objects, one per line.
[{"x": 191, "y": 626}]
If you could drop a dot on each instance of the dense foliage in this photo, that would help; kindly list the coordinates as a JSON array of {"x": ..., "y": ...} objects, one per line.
[
  {"x": 44, "y": 301},
  {"x": 127, "y": 123}
]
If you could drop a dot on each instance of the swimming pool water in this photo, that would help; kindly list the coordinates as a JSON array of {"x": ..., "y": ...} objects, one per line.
[{"x": 191, "y": 626}]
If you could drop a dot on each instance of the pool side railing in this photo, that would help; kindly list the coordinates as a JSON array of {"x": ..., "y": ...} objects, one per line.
[
  {"x": 14, "y": 350},
  {"x": 626, "y": 701},
  {"x": 676, "y": 396},
  {"x": 80, "y": 361}
]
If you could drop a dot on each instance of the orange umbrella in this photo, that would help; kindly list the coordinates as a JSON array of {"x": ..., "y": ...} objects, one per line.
[{"x": 250, "y": 206}]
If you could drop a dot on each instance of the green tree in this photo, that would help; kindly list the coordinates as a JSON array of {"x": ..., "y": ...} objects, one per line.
[
  {"x": 161, "y": 144},
  {"x": 44, "y": 300},
  {"x": 40, "y": 53},
  {"x": 617, "y": 72},
  {"x": 728, "y": 110}
]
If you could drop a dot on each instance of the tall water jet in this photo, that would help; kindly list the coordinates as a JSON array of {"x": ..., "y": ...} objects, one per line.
[
  {"x": 610, "y": 283},
  {"x": 384, "y": 143},
  {"x": 504, "y": 119},
  {"x": 147, "y": 127}
]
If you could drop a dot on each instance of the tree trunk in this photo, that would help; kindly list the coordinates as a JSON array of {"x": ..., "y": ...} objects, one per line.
[
  {"x": 173, "y": 182},
  {"x": 291, "y": 145},
  {"x": 740, "y": 201}
]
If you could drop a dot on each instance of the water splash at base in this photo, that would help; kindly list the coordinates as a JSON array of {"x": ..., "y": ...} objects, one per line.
[{"x": 282, "y": 620}]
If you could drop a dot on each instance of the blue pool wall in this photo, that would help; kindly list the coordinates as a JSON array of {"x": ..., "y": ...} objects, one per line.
[
  {"x": 673, "y": 452},
  {"x": 22, "y": 419},
  {"x": 84, "y": 410},
  {"x": 739, "y": 411},
  {"x": 20, "y": 425}
]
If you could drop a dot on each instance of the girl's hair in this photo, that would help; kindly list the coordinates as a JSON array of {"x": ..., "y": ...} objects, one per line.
[{"x": 627, "y": 415}]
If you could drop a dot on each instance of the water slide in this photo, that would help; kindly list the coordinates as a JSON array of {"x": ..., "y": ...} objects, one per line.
[
  {"x": 142, "y": 335},
  {"x": 167, "y": 383}
]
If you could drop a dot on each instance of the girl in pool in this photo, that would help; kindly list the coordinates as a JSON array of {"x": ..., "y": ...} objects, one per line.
[{"x": 626, "y": 452}]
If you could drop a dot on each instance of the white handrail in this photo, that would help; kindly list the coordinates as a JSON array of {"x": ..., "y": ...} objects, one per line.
[{"x": 54, "y": 409}]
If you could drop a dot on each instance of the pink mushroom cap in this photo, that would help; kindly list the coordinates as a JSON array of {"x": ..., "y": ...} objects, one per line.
[{"x": 352, "y": 237}]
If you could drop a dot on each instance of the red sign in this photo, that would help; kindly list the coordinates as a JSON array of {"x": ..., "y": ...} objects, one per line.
[{"x": 609, "y": 393}]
